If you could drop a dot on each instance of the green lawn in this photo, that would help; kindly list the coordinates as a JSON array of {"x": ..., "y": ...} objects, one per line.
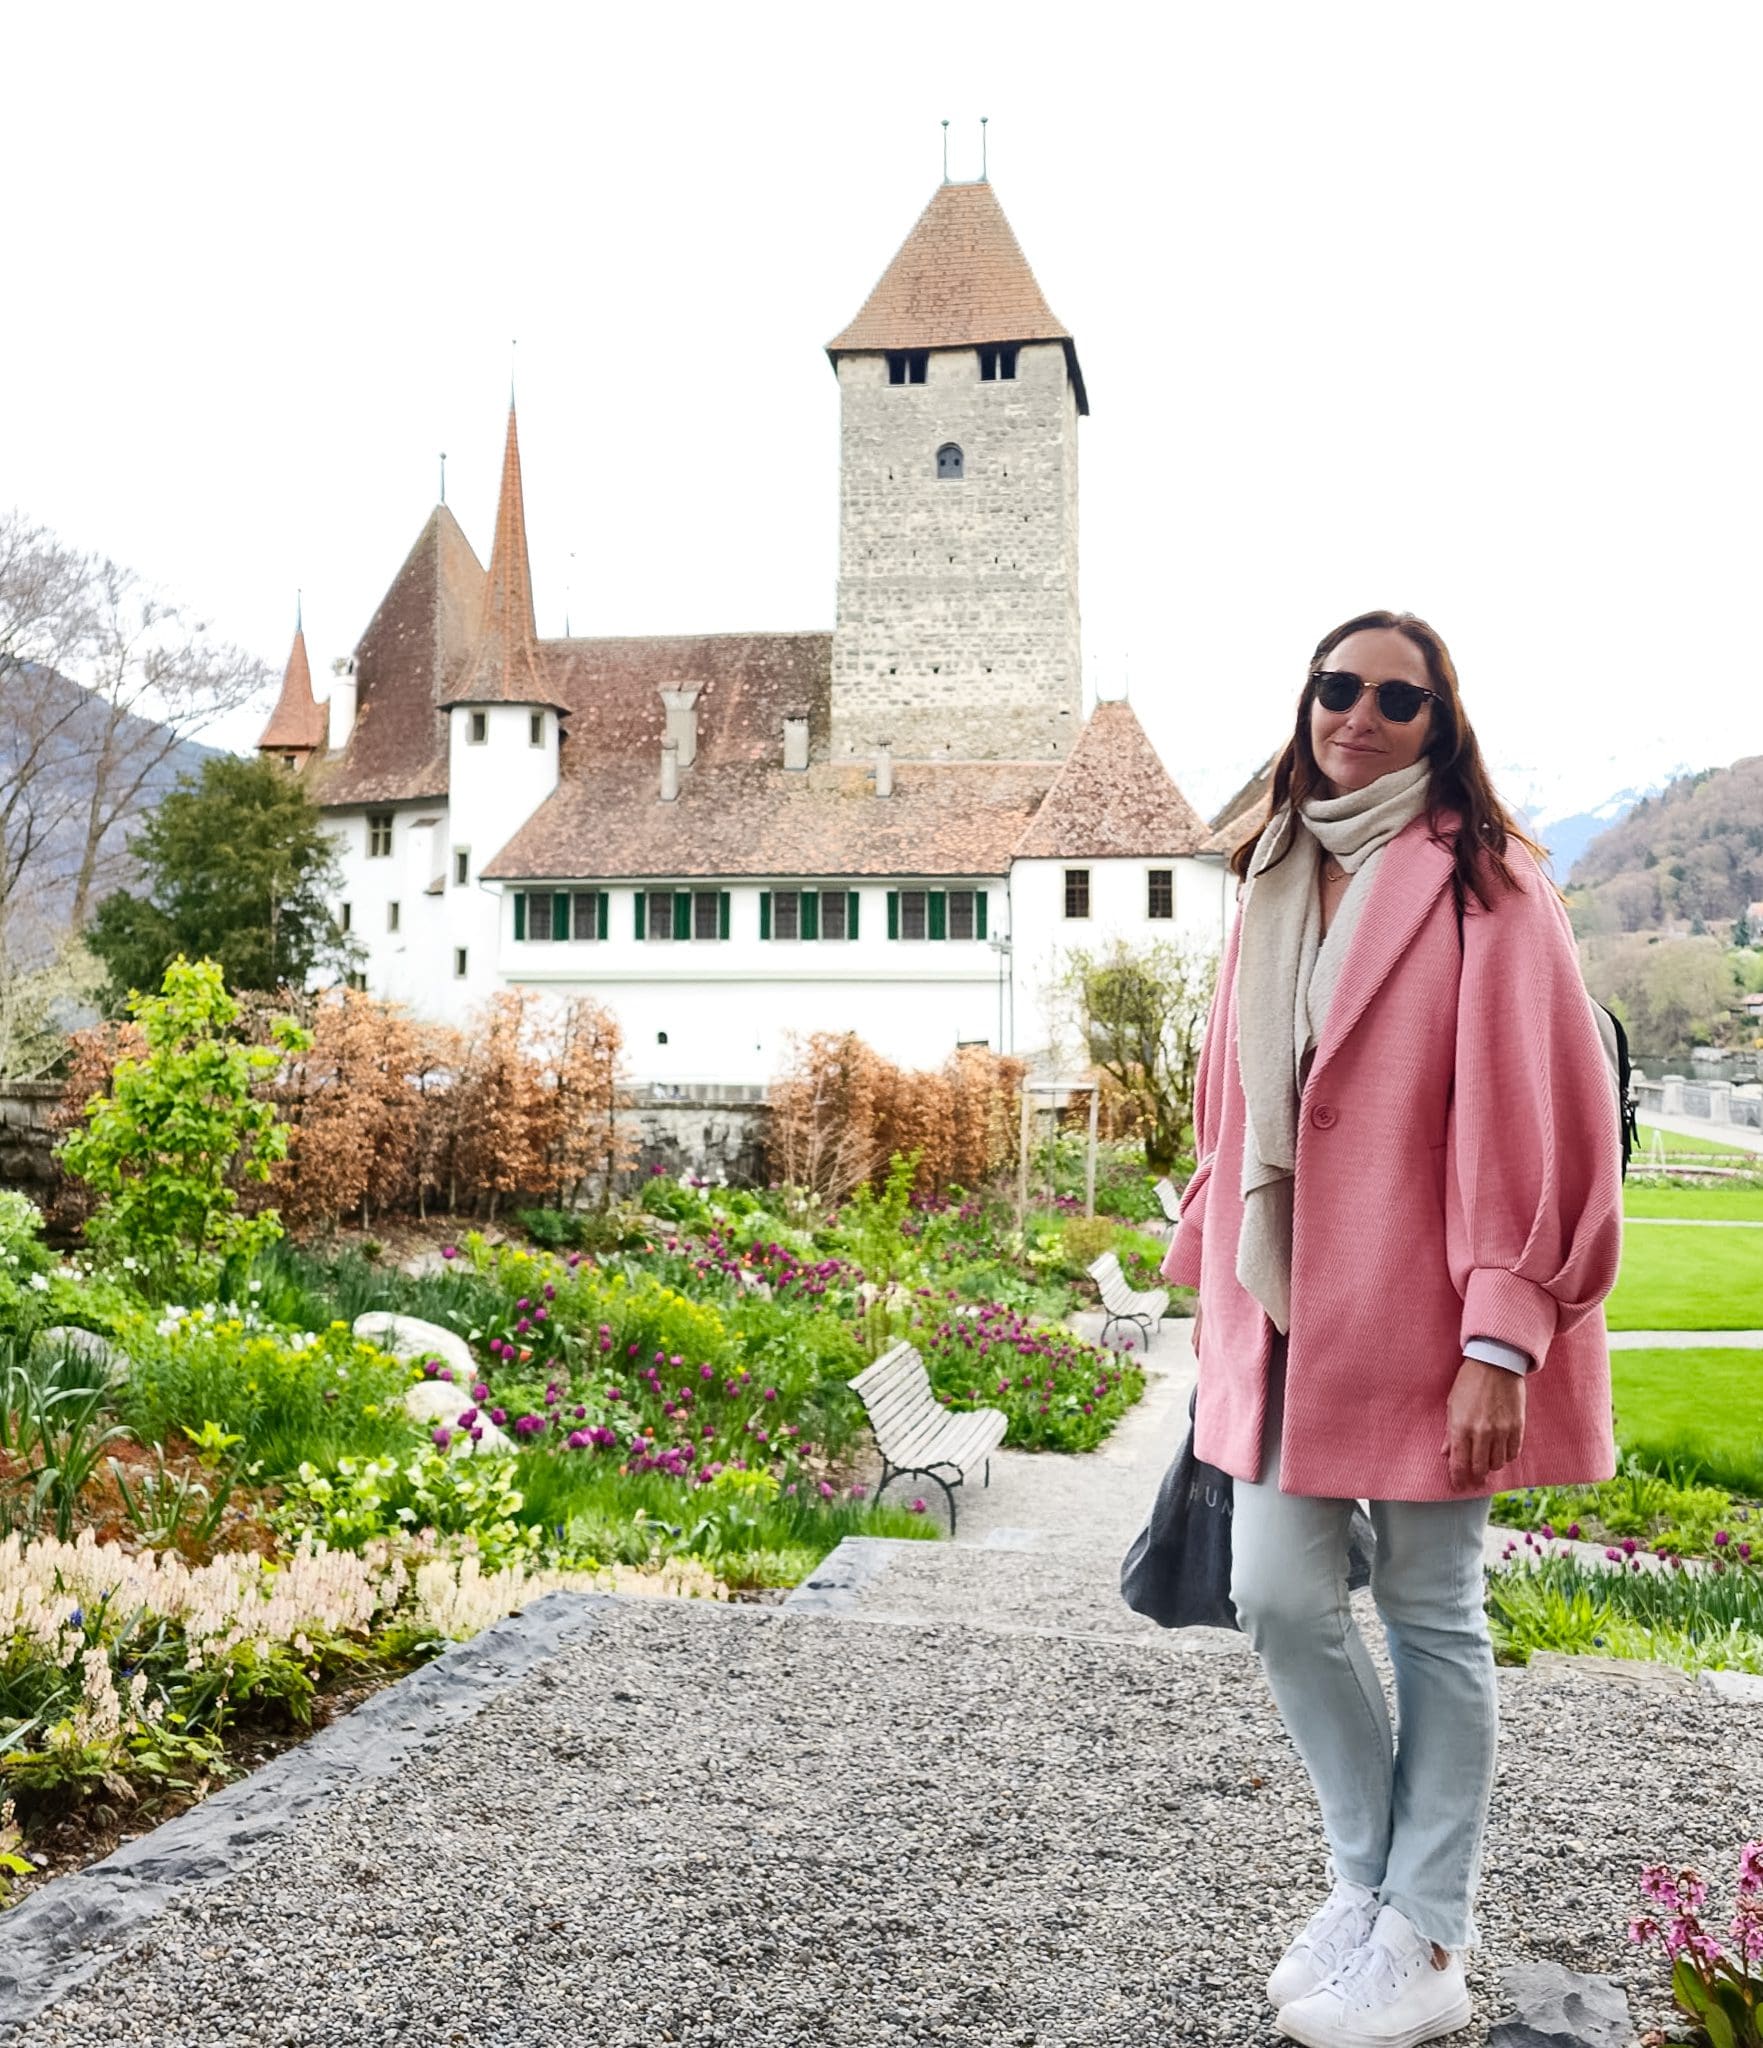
[
  {"x": 1714, "y": 1204},
  {"x": 1689, "y": 1280},
  {"x": 1676, "y": 1141},
  {"x": 1700, "y": 1405}
]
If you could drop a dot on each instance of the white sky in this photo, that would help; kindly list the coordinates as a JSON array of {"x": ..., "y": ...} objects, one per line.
[{"x": 1442, "y": 306}]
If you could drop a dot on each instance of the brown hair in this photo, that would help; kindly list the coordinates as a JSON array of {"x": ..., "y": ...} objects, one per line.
[{"x": 1462, "y": 807}]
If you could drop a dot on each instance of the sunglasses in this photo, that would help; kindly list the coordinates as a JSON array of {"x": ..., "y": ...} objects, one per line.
[{"x": 1337, "y": 689}]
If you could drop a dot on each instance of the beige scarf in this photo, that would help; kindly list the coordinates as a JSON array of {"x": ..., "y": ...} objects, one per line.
[{"x": 1277, "y": 1019}]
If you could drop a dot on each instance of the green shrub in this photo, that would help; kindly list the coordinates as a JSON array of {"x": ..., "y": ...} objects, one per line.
[
  {"x": 1698, "y": 1620},
  {"x": 290, "y": 1395},
  {"x": 361, "y": 1499}
]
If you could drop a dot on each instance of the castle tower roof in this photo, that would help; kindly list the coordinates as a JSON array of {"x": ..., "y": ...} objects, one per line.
[
  {"x": 1113, "y": 798},
  {"x": 959, "y": 280},
  {"x": 297, "y": 724},
  {"x": 504, "y": 666}
]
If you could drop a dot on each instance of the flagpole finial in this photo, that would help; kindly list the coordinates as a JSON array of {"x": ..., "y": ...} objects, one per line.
[
  {"x": 982, "y": 148},
  {"x": 299, "y": 611},
  {"x": 443, "y": 476},
  {"x": 945, "y": 152}
]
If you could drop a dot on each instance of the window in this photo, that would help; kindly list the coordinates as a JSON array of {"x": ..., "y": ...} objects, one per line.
[
  {"x": 461, "y": 866},
  {"x": 961, "y": 913},
  {"x": 588, "y": 914},
  {"x": 786, "y": 914},
  {"x": 913, "y": 913},
  {"x": 998, "y": 365},
  {"x": 358, "y": 981},
  {"x": 1077, "y": 892},
  {"x": 832, "y": 913},
  {"x": 705, "y": 920},
  {"x": 346, "y": 916},
  {"x": 392, "y": 915},
  {"x": 538, "y": 915},
  {"x": 477, "y": 727},
  {"x": 289, "y": 761},
  {"x": 459, "y": 957},
  {"x": 659, "y": 903},
  {"x": 811, "y": 914},
  {"x": 535, "y": 729},
  {"x": 1160, "y": 892},
  {"x": 949, "y": 468},
  {"x": 908, "y": 365},
  {"x": 379, "y": 834}
]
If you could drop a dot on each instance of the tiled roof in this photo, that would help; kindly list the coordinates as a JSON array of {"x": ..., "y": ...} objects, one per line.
[
  {"x": 960, "y": 278},
  {"x": 504, "y": 665},
  {"x": 422, "y": 631},
  {"x": 297, "y": 724},
  {"x": 739, "y": 810},
  {"x": 1113, "y": 798},
  {"x": 1236, "y": 819}
]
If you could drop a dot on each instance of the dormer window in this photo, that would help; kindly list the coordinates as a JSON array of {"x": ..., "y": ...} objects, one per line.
[
  {"x": 477, "y": 727},
  {"x": 998, "y": 365},
  {"x": 908, "y": 365},
  {"x": 535, "y": 728},
  {"x": 949, "y": 463}
]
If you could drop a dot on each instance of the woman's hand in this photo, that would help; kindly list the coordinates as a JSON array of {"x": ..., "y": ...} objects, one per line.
[{"x": 1484, "y": 1421}]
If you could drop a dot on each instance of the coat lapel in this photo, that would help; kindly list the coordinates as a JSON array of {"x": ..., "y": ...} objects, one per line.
[{"x": 1414, "y": 869}]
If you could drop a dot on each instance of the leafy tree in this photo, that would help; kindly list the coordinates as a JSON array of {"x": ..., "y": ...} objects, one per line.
[
  {"x": 181, "y": 1125},
  {"x": 237, "y": 865},
  {"x": 1141, "y": 1017}
]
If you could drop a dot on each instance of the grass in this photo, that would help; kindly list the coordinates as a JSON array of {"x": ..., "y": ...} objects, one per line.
[
  {"x": 1689, "y": 1280},
  {"x": 1697, "y": 1202},
  {"x": 1676, "y": 1141},
  {"x": 1694, "y": 1408}
]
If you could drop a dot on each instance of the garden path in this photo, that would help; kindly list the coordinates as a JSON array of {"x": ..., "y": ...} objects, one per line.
[{"x": 1739, "y": 1136}]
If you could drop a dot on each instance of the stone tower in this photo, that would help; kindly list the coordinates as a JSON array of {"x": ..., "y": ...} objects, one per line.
[{"x": 957, "y": 632}]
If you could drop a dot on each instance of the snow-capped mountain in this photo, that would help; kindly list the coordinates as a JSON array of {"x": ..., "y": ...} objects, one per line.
[{"x": 1567, "y": 805}]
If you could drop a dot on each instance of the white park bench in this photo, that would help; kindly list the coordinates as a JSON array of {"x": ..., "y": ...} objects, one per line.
[
  {"x": 1168, "y": 1200},
  {"x": 1123, "y": 1304},
  {"x": 915, "y": 1433}
]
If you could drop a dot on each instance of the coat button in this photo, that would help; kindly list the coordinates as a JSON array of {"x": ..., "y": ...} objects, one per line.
[{"x": 1323, "y": 1117}]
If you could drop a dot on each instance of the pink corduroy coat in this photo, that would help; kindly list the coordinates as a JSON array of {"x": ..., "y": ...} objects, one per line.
[{"x": 1458, "y": 1175}]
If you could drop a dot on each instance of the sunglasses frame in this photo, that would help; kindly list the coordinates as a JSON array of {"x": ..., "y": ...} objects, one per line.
[{"x": 1323, "y": 675}]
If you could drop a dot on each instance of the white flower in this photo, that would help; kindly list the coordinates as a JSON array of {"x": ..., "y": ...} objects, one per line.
[{"x": 40, "y": 1281}]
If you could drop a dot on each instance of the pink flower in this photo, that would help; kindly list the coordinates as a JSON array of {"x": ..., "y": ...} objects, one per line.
[
  {"x": 443, "y": 1437},
  {"x": 918, "y": 1507},
  {"x": 1751, "y": 1868},
  {"x": 480, "y": 1392},
  {"x": 449, "y": 1251}
]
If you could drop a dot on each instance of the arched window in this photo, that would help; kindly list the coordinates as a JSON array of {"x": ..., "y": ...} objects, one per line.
[{"x": 949, "y": 463}]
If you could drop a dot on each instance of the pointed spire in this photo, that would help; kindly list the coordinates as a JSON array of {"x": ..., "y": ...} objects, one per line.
[
  {"x": 504, "y": 667},
  {"x": 297, "y": 724}
]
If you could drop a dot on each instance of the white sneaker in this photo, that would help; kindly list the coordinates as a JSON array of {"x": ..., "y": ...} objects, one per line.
[
  {"x": 1340, "y": 1925},
  {"x": 1387, "y": 1994}
]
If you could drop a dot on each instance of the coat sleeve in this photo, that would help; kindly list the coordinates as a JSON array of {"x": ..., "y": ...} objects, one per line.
[
  {"x": 1181, "y": 1263},
  {"x": 1533, "y": 1210}
]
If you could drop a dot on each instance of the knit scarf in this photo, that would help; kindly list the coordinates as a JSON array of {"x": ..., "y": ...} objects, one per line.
[{"x": 1276, "y": 957}]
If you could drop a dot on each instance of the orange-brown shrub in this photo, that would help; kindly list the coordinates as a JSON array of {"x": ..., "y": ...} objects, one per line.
[{"x": 840, "y": 1112}]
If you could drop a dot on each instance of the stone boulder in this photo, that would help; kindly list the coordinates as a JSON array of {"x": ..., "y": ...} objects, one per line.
[
  {"x": 94, "y": 1350},
  {"x": 432, "y": 1402},
  {"x": 1562, "y": 2008},
  {"x": 411, "y": 1337}
]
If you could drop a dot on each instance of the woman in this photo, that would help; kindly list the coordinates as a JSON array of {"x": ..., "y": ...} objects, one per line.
[{"x": 1405, "y": 1215}]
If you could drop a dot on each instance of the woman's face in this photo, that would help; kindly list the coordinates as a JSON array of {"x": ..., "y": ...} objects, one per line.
[{"x": 1355, "y": 747}]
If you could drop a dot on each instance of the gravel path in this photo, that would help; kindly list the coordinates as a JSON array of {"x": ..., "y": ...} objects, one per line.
[{"x": 755, "y": 1827}]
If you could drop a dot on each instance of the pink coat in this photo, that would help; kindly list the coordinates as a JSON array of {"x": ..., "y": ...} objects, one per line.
[{"x": 1458, "y": 1175}]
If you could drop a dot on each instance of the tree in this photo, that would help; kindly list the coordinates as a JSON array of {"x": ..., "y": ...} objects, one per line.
[
  {"x": 182, "y": 1123},
  {"x": 1141, "y": 1015},
  {"x": 104, "y": 681},
  {"x": 40, "y": 1004},
  {"x": 237, "y": 866}
]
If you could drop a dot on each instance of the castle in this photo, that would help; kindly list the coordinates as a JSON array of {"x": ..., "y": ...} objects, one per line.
[{"x": 900, "y": 827}]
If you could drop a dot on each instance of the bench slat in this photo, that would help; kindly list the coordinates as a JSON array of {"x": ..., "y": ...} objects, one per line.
[{"x": 945, "y": 1433}]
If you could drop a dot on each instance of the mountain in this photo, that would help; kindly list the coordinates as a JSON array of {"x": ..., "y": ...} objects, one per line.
[
  {"x": 54, "y": 736},
  {"x": 1566, "y": 807},
  {"x": 1692, "y": 851}
]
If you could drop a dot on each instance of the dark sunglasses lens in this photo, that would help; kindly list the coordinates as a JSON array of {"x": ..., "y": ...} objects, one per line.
[
  {"x": 1338, "y": 691},
  {"x": 1399, "y": 702}
]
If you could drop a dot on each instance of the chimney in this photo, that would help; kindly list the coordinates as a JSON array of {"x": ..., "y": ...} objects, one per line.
[
  {"x": 669, "y": 771},
  {"x": 884, "y": 769},
  {"x": 681, "y": 700},
  {"x": 795, "y": 739},
  {"x": 342, "y": 703}
]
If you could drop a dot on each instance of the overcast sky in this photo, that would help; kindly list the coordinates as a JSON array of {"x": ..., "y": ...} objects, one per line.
[{"x": 1441, "y": 306}]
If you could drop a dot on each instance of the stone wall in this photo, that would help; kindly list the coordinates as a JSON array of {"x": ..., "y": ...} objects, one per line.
[
  {"x": 1716, "y": 1102},
  {"x": 720, "y": 1133},
  {"x": 25, "y": 1135},
  {"x": 957, "y": 634}
]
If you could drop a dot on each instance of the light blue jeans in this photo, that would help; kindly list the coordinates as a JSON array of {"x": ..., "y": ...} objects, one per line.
[{"x": 1404, "y": 1817}]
